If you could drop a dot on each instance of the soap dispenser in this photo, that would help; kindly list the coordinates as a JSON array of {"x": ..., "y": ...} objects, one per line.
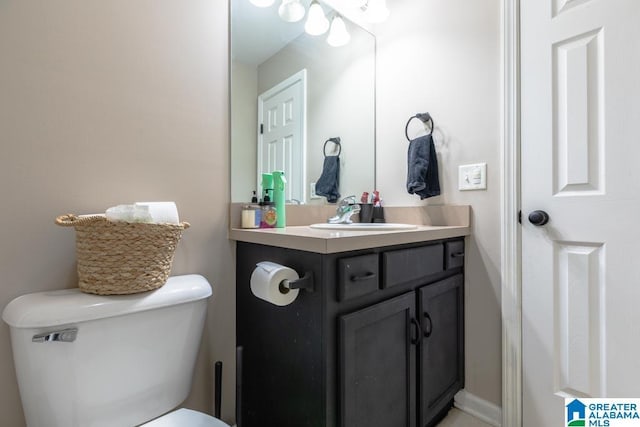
[
  {"x": 279, "y": 183},
  {"x": 267, "y": 187}
]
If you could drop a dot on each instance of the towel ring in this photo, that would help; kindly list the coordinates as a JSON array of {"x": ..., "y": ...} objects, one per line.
[
  {"x": 424, "y": 118},
  {"x": 335, "y": 140}
]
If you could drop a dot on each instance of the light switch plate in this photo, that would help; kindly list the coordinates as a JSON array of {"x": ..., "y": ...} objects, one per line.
[
  {"x": 472, "y": 177},
  {"x": 312, "y": 191}
]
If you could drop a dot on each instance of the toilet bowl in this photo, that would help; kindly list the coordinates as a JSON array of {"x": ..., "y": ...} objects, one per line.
[
  {"x": 185, "y": 418},
  {"x": 90, "y": 360}
]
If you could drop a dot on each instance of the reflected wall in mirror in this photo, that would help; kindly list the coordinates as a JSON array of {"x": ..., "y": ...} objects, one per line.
[{"x": 335, "y": 98}]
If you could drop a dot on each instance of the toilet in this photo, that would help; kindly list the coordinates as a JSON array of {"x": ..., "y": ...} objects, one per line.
[{"x": 119, "y": 361}]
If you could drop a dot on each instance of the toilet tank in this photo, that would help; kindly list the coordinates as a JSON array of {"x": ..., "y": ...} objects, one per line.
[{"x": 132, "y": 358}]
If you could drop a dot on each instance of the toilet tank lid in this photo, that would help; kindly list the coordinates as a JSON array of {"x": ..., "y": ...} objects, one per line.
[{"x": 55, "y": 308}]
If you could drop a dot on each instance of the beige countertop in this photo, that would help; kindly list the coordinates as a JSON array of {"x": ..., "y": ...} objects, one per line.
[
  {"x": 330, "y": 241},
  {"x": 433, "y": 223}
]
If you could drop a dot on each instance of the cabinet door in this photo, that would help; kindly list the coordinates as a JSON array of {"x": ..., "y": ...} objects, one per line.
[
  {"x": 377, "y": 361},
  {"x": 441, "y": 353}
]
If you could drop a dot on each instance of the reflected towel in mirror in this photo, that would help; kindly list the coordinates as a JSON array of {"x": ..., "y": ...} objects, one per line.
[{"x": 329, "y": 182}]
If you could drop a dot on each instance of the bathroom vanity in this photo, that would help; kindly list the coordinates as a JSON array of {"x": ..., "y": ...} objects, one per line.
[{"x": 376, "y": 339}]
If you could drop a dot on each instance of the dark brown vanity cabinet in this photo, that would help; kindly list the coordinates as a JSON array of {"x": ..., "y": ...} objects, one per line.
[
  {"x": 378, "y": 364},
  {"x": 440, "y": 355},
  {"x": 377, "y": 342},
  {"x": 400, "y": 349}
]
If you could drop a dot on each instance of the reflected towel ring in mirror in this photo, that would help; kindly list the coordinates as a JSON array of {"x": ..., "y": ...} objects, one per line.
[
  {"x": 336, "y": 141},
  {"x": 424, "y": 118}
]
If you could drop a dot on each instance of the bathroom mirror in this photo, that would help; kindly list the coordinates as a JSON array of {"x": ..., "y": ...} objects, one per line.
[{"x": 300, "y": 92}]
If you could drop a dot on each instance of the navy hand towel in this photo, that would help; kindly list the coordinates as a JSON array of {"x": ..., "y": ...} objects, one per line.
[
  {"x": 422, "y": 168},
  {"x": 328, "y": 183}
]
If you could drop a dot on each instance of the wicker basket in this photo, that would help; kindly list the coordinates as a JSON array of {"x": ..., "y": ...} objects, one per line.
[{"x": 117, "y": 258}]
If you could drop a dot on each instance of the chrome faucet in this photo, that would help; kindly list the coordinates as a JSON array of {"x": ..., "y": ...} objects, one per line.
[{"x": 346, "y": 208}]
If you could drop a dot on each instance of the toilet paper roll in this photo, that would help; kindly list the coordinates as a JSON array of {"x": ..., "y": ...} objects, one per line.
[
  {"x": 267, "y": 283},
  {"x": 162, "y": 212}
]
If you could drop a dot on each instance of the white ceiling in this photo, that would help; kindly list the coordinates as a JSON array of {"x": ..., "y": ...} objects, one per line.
[{"x": 258, "y": 33}]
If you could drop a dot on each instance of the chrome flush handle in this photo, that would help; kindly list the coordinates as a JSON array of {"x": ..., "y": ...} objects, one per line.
[{"x": 65, "y": 335}]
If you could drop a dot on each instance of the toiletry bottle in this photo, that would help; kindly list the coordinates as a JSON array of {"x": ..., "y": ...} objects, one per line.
[
  {"x": 267, "y": 187},
  {"x": 279, "y": 183},
  {"x": 257, "y": 209},
  {"x": 251, "y": 215},
  {"x": 269, "y": 216}
]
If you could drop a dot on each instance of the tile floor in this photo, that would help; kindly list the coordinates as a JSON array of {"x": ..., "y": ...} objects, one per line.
[{"x": 457, "y": 418}]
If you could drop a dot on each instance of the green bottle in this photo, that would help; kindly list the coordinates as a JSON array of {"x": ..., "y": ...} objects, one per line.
[
  {"x": 279, "y": 183},
  {"x": 267, "y": 187}
]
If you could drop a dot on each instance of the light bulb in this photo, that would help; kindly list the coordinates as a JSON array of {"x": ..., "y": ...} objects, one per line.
[
  {"x": 316, "y": 23},
  {"x": 262, "y": 3},
  {"x": 376, "y": 11},
  {"x": 291, "y": 10},
  {"x": 338, "y": 35}
]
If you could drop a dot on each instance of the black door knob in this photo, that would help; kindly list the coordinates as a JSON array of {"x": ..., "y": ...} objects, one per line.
[{"x": 538, "y": 218}]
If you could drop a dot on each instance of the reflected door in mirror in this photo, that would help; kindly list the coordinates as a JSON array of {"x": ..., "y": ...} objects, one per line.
[{"x": 281, "y": 143}]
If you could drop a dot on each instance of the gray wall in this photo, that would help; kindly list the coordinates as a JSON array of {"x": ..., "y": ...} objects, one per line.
[
  {"x": 107, "y": 102},
  {"x": 444, "y": 57}
]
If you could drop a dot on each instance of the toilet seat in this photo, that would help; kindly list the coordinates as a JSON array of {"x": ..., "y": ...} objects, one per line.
[{"x": 185, "y": 417}]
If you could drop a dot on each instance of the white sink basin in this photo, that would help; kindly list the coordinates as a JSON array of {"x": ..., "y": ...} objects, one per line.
[{"x": 380, "y": 226}]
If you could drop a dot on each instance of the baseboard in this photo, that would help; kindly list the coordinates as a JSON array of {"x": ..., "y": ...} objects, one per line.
[{"x": 479, "y": 408}]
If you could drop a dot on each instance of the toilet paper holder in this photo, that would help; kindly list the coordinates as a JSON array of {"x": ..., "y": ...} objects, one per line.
[{"x": 305, "y": 282}]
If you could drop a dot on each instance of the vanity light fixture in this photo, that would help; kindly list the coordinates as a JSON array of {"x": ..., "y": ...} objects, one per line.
[
  {"x": 376, "y": 11},
  {"x": 338, "y": 35},
  {"x": 291, "y": 10},
  {"x": 316, "y": 23},
  {"x": 262, "y": 3}
]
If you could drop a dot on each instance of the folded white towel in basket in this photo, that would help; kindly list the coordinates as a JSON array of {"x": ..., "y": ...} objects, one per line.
[
  {"x": 149, "y": 212},
  {"x": 162, "y": 212}
]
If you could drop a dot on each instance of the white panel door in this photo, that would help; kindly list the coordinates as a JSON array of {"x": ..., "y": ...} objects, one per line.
[
  {"x": 580, "y": 89},
  {"x": 282, "y": 133}
]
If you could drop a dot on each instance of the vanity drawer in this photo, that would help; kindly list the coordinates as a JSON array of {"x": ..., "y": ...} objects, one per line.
[
  {"x": 357, "y": 276},
  {"x": 454, "y": 254},
  {"x": 406, "y": 265}
]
